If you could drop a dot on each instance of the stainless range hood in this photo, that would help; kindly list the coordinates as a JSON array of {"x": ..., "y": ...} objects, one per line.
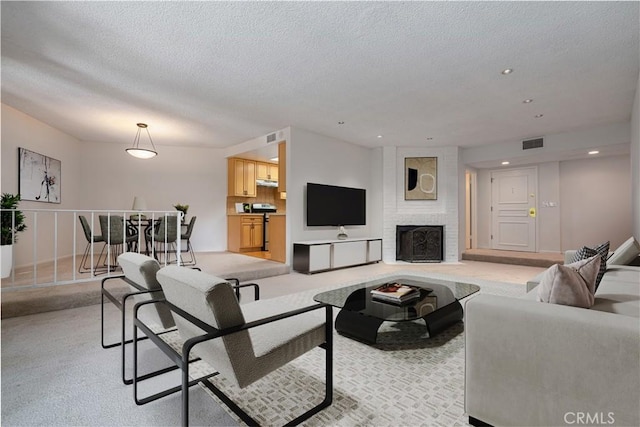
[{"x": 266, "y": 183}]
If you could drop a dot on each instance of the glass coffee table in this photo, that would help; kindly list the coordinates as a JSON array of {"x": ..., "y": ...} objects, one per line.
[{"x": 361, "y": 315}]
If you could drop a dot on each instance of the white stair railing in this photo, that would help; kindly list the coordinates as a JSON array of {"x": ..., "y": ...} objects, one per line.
[{"x": 50, "y": 251}]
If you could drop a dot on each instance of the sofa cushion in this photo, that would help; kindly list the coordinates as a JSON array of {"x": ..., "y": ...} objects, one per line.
[
  {"x": 625, "y": 253},
  {"x": 572, "y": 284},
  {"x": 587, "y": 252}
]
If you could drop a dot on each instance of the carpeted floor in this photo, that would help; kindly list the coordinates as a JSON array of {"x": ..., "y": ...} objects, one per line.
[
  {"x": 54, "y": 371},
  {"x": 405, "y": 379}
]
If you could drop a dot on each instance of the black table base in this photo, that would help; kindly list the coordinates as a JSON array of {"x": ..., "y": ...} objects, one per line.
[{"x": 365, "y": 328}]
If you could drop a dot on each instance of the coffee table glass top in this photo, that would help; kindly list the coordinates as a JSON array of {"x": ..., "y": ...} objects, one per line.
[{"x": 434, "y": 294}]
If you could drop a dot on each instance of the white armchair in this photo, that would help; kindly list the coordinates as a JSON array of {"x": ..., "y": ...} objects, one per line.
[{"x": 244, "y": 343}]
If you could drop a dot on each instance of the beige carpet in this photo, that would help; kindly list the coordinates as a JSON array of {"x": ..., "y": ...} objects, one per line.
[{"x": 23, "y": 298}]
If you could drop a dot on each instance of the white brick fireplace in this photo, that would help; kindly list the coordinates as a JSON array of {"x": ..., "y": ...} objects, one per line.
[{"x": 443, "y": 211}]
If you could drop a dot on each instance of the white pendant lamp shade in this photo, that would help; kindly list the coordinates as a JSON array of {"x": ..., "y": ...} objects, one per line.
[{"x": 136, "y": 150}]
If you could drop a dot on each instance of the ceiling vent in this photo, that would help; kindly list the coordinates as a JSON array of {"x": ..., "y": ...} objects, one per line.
[
  {"x": 532, "y": 143},
  {"x": 271, "y": 138}
]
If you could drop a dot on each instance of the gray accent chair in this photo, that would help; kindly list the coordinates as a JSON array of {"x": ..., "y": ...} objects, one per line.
[
  {"x": 116, "y": 235},
  {"x": 139, "y": 272},
  {"x": 163, "y": 237},
  {"x": 97, "y": 238},
  {"x": 243, "y": 343},
  {"x": 187, "y": 236}
]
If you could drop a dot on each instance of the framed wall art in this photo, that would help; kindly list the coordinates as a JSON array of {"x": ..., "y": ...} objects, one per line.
[
  {"x": 40, "y": 177},
  {"x": 421, "y": 178}
]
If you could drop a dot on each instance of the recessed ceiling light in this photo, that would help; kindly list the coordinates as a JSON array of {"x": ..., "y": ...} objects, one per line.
[
  {"x": 341, "y": 123},
  {"x": 537, "y": 116},
  {"x": 379, "y": 136},
  {"x": 505, "y": 163},
  {"x": 507, "y": 71},
  {"x": 527, "y": 101},
  {"x": 594, "y": 152}
]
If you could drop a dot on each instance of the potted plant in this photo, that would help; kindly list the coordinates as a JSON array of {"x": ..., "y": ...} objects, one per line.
[
  {"x": 183, "y": 209},
  {"x": 12, "y": 223}
]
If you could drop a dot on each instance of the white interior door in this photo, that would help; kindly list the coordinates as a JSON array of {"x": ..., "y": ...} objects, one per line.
[{"x": 513, "y": 209}]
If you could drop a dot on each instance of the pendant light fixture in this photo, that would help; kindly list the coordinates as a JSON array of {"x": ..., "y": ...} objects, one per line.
[{"x": 142, "y": 153}]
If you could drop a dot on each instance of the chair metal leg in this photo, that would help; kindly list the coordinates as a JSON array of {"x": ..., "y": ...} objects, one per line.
[
  {"x": 84, "y": 268},
  {"x": 121, "y": 305},
  {"x": 192, "y": 255}
]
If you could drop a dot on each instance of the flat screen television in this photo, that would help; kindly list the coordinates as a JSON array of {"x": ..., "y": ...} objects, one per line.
[{"x": 333, "y": 205}]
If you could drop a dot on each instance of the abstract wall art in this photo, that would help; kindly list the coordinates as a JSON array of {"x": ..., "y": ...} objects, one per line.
[
  {"x": 421, "y": 178},
  {"x": 40, "y": 177}
]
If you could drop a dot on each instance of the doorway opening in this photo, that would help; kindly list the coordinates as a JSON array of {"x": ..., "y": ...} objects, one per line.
[{"x": 471, "y": 191}]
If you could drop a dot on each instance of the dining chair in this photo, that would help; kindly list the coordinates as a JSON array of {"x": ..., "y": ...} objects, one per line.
[
  {"x": 116, "y": 234},
  {"x": 163, "y": 237},
  {"x": 97, "y": 238},
  {"x": 187, "y": 236}
]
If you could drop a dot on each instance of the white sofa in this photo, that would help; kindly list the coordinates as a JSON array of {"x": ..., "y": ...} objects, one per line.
[{"x": 530, "y": 363}]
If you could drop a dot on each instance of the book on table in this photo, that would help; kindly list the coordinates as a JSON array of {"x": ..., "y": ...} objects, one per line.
[{"x": 395, "y": 292}]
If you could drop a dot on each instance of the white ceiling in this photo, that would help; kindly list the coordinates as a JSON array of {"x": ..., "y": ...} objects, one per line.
[{"x": 217, "y": 74}]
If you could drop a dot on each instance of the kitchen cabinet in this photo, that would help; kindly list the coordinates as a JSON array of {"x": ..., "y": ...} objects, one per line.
[
  {"x": 278, "y": 237},
  {"x": 242, "y": 177},
  {"x": 245, "y": 233},
  {"x": 266, "y": 171},
  {"x": 282, "y": 167}
]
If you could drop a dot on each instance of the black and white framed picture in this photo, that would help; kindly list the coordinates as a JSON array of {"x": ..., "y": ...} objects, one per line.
[
  {"x": 40, "y": 177},
  {"x": 421, "y": 178}
]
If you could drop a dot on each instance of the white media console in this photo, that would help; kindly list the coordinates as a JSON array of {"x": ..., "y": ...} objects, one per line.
[{"x": 321, "y": 255}]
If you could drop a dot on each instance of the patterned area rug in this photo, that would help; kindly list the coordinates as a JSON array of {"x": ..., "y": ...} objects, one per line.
[{"x": 406, "y": 379}]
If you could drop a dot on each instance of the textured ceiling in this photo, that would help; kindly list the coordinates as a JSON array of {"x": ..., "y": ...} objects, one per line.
[{"x": 217, "y": 74}]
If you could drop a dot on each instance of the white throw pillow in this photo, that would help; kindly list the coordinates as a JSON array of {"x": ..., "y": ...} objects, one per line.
[
  {"x": 571, "y": 284},
  {"x": 625, "y": 253}
]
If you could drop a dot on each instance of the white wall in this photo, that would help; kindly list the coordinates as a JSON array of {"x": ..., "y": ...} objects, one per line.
[
  {"x": 635, "y": 162},
  {"x": 21, "y": 130},
  {"x": 549, "y": 220},
  {"x": 102, "y": 176},
  {"x": 592, "y": 197},
  {"x": 443, "y": 211},
  {"x": 595, "y": 203},
  {"x": 193, "y": 176},
  {"x": 319, "y": 159},
  {"x": 612, "y": 137}
]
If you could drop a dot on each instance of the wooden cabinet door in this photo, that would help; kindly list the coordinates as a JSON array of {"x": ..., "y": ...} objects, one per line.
[
  {"x": 266, "y": 171},
  {"x": 250, "y": 178},
  {"x": 246, "y": 234},
  {"x": 257, "y": 239},
  {"x": 242, "y": 178},
  {"x": 262, "y": 170},
  {"x": 238, "y": 178},
  {"x": 273, "y": 172}
]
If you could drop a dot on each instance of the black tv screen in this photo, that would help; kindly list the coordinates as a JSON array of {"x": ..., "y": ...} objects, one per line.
[{"x": 333, "y": 205}]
